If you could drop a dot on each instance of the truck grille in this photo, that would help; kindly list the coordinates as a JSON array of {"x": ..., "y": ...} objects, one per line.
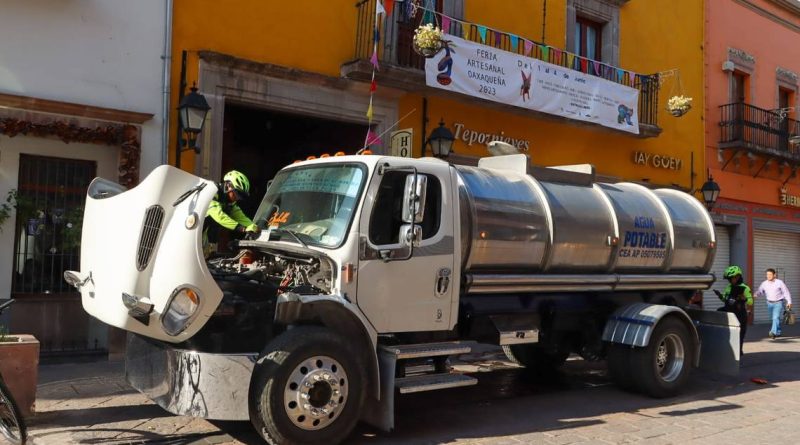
[{"x": 151, "y": 228}]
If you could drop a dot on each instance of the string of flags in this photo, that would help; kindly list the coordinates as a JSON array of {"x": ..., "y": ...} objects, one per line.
[
  {"x": 530, "y": 48},
  {"x": 381, "y": 9}
]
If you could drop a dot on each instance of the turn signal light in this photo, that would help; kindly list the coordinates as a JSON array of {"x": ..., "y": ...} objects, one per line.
[
  {"x": 312, "y": 157},
  {"x": 324, "y": 155},
  {"x": 348, "y": 272},
  {"x": 339, "y": 153}
]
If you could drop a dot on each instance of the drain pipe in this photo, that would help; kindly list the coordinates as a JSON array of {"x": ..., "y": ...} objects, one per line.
[{"x": 166, "y": 70}]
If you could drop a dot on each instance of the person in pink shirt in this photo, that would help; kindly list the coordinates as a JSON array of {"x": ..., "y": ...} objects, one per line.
[{"x": 778, "y": 299}]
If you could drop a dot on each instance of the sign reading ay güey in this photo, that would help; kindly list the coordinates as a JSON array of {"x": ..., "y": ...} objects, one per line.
[{"x": 501, "y": 76}]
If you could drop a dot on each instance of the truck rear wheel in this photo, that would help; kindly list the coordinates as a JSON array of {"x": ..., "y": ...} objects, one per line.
[
  {"x": 535, "y": 358},
  {"x": 661, "y": 368},
  {"x": 308, "y": 387}
]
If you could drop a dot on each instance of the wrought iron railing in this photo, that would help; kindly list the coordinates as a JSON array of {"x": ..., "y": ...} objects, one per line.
[
  {"x": 759, "y": 129},
  {"x": 49, "y": 208},
  {"x": 395, "y": 48}
]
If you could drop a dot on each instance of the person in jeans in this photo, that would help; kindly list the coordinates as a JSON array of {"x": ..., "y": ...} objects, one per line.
[{"x": 778, "y": 298}]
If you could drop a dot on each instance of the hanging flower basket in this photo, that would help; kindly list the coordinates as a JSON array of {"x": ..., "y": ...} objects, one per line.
[
  {"x": 679, "y": 105},
  {"x": 428, "y": 40}
]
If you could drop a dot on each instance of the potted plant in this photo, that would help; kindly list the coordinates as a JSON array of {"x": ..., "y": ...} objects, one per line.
[
  {"x": 19, "y": 365},
  {"x": 7, "y": 207},
  {"x": 19, "y": 354},
  {"x": 428, "y": 40},
  {"x": 679, "y": 105}
]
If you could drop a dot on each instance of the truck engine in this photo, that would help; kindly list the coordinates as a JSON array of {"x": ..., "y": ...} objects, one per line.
[{"x": 251, "y": 281}]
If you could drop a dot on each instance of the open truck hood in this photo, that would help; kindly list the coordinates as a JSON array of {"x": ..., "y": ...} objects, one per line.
[{"x": 138, "y": 249}]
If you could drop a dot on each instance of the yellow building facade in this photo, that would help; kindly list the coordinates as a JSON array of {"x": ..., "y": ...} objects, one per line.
[{"x": 287, "y": 80}]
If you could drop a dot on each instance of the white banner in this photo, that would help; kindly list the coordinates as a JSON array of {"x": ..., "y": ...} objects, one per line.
[{"x": 501, "y": 76}]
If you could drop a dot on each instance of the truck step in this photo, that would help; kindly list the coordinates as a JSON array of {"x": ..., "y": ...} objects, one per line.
[
  {"x": 427, "y": 350},
  {"x": 420, "y": 369},
  {"x": 432, "y": 382}
]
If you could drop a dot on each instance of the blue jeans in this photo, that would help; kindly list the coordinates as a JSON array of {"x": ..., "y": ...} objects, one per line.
[{"x": 775, "y": 312}]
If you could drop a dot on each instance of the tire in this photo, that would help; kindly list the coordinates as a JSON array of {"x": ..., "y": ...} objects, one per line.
[
  {"x": 661, "y": 368},
  {"x": 295, "y": 384},
  {"x": 12, "y": 425},
  {"x": 535, "y": 358}
]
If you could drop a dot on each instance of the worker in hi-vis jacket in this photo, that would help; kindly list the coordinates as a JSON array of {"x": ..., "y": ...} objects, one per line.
[{"x": 225, "y": 211}]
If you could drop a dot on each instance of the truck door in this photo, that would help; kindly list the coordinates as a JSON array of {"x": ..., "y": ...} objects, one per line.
[{"x": 397, "y": 293}]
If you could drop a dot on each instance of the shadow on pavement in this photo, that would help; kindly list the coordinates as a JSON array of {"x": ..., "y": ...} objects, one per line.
[
  {"x": 140, "y": 437},
  {"x": 512, "y": 402},
  {"x": 93, "y": 416}
]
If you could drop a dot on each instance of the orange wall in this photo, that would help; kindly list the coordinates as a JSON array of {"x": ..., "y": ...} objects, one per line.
[
  {"x": 773, "y": 45},
  {"x": 316, "y": 36}
]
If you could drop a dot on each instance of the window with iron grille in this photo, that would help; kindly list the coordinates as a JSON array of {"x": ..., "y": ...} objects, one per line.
[{"x": 50, "y": 199}]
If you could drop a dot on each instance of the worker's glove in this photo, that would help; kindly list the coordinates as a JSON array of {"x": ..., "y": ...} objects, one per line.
[
  {"x": 252, "y": 232},
  {"x": 240, "y": 229}
]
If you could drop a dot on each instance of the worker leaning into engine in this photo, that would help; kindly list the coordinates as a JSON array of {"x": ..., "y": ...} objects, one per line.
[
  {"x": 737, "y": 298},
  {"x": 226, "y": 213}
]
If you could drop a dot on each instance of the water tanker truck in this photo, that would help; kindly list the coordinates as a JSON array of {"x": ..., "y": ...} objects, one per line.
[{"x": 371, "y": 271}]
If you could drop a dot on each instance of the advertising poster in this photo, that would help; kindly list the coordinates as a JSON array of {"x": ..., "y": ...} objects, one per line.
[{"x": 482, "y": 71}]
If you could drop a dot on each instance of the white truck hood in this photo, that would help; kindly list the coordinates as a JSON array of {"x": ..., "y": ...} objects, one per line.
[{"x": 137, "y": 246}]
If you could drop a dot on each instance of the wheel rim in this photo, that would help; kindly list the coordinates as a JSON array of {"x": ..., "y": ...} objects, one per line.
[
  {"x": 9, "y": 424},
  {"x": 670, "y": 357},
  {"x": 315, "y": 393}
]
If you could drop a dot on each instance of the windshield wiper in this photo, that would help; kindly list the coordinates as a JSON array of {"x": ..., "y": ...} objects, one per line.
[
  {"x": 189, "y": 193},
  {"x": 292, "y": 233}
]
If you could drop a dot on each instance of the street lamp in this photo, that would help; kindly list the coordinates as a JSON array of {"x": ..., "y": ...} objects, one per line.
[
  {"x": 192, "y": 111},
  {"x": 441, "y": 140},
  {"x": 710, "y": 192}
]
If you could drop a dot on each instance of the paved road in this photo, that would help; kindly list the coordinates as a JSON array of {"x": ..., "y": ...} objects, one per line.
[{"x": 91, "y": 403}]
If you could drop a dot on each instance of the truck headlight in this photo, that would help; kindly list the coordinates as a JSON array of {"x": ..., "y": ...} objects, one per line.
[{"x": 180, "y": 311}]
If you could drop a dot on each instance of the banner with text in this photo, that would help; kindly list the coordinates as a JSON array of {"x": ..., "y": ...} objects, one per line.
[{"x": 501, "y": 76}]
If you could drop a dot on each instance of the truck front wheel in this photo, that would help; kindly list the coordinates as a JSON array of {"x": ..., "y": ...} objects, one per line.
[
  {"x": 308, "y": 387},
  {"x": 661, "y": 368}
]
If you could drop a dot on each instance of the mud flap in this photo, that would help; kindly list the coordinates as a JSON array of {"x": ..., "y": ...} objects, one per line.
[{"x": 719, "y": 340}]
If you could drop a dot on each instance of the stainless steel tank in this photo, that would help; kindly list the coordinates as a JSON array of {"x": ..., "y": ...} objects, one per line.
[{"x": 513, "y": 223}]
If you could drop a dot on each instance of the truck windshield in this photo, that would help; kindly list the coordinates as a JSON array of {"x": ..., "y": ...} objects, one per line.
[{"x": 315, "y": 203}]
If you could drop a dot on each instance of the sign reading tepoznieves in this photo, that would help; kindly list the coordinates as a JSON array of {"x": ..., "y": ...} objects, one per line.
[{"x": 501, "y": 76}]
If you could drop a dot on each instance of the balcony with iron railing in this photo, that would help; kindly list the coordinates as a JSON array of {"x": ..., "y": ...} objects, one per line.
[
  {"x": 757, "y": 131},
  {"x": 402, "y": 68}
]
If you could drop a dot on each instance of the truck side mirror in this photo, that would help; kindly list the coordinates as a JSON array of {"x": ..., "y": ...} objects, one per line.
[
  {"x": 414, "y": 198},
  {"x": 410, "y": 235}
]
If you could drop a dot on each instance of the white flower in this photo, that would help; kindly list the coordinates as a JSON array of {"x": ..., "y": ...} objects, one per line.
[
  {"x": 427, "y": 36},
  {"x": 679, "y": 103}
]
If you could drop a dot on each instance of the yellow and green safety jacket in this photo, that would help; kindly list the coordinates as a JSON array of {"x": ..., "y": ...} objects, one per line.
[{"x": 742, "y": 294}]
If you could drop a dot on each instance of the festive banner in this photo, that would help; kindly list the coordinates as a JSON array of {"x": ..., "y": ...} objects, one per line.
[{"x": 501, "y": 76}]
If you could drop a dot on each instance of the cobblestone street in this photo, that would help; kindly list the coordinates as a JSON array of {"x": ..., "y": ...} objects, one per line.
[{"x": 91, "y": 403}]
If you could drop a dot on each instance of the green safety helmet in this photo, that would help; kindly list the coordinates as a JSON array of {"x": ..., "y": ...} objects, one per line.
[
  {"x": 732, "y": 271},
  {"x": 239, "y": 182}
]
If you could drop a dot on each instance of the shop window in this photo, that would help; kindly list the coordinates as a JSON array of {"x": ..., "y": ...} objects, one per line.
[
  {"x": 386, "y": 219},
  {"x": 49, "y": 206}
]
